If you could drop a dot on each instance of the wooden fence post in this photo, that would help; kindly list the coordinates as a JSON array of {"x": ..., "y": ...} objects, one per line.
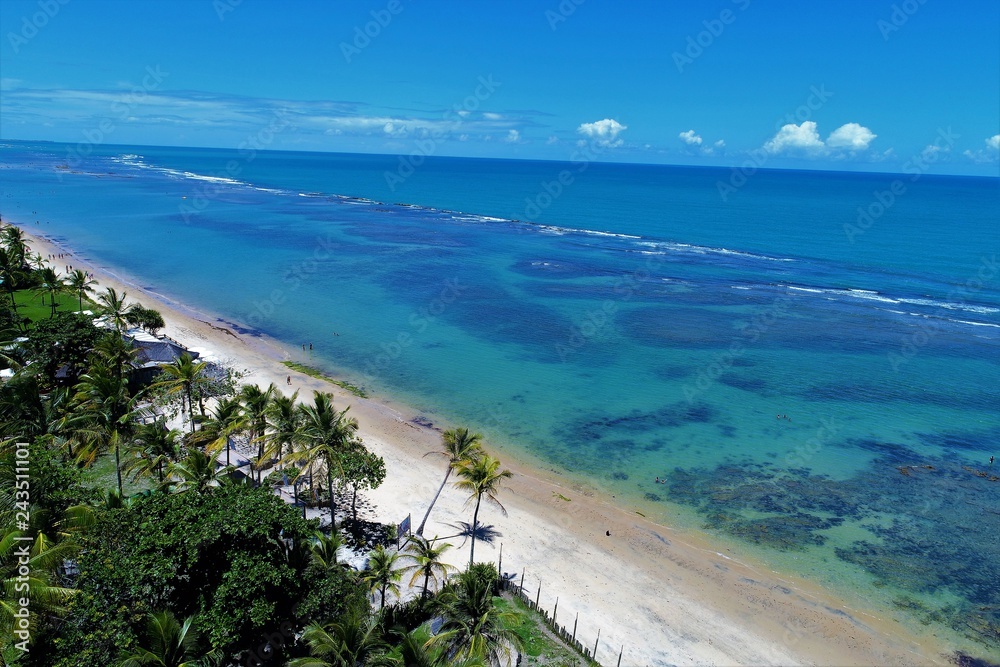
[
  {"x": 500, "y": 562},
  {"x": 595, "y": 643},
  {"x": 538, "y": 595},
  {"x": 574, "y": 625},
  {"x": 554, "y": 610},
  {"x": 620, "y": 655}
]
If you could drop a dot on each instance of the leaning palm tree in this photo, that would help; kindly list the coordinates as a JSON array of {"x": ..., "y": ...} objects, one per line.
[
  {"x": 184, "y": 376},
  {"x": 155, "y": 447},
  {"x": 474, "y": 627},
  {"x": 80, "y": 283},
  {"x": 426, "y": 561},
  {"x": 169, "y": 644},
  {"x": 482, "y": 478},
  {"x": 324, "y": 436},
  {"x": 106, "y": 415},
  {"x": 459, "y": 446},
  {"x": 353, "y": 639},
  {"x": 381, "y": 574}
]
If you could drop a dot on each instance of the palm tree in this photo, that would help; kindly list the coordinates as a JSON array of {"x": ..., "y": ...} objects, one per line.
[
  {"x": 482, "y": 478},
  {"x": 11, "y": 272},
  {"x": 255, "y": 406},
  {"x": 381, "y": 573},
  {"x": 195, "y": 472},
  {"x": 155, "y": 446},
  {"x": 106, "y": 415},
  {"x": 354, "y": 639},
  {"x": 426, "y": 561},
  {"x": 283, "y": 422},
  {"x": 117, "y": 352},
  {"x": 325, "y": 435},
  {"x": 81, "y": 283},
  {"x": 115, "y": 308},
  {"x": 474, "y": 627},
  {"x": 217, "y": 430},
  {"x": 459, "y": 446},
  {"x": 50, "y": 284},
  {"x": 184, "y": 376},
  {"x": 170, "y": 644},
  {"x": 325, "y": 550}
]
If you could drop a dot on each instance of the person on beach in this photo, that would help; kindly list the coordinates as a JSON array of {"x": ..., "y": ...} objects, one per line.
[{"x": 289, "y": 379}]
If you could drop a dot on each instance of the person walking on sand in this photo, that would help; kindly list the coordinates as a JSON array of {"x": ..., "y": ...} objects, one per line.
[{"x": 289, "y": 379}]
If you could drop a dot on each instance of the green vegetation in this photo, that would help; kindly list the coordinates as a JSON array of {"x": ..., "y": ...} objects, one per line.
[
  {"x": 138, "y": 548},
  {"x": 30, "y": 304},
  {"x": 315, "y": 373},
  {"x": 541, "y": 647}
]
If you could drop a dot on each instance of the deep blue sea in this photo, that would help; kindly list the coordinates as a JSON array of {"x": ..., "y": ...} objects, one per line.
[{"x": 811, "y": 363}]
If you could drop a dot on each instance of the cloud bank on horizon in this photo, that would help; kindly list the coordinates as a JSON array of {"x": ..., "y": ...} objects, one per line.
[{"x": 353, "y": 79}]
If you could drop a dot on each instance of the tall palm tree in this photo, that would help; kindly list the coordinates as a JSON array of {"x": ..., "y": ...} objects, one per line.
[
  {"x": 426, "y": 561},
  {"x": 353, "y": 639},
  {"x": 217, "y": 430},
  {"x": 169, "y": 644},
  {"x": 117, "y": 352},
  {"x": 80, "y": 283},
  {"x": 381, "y": 573},
  {"x": 51, "y": 284},
  {"x": 459, "y": 446},
  {"x": 324, "y": 436},
  {"x": 106, "y": 415},
  {"x": 155, "y": 447},
  {"x": 255, "y": 405},
  {"x": 115, "y": 307},
  {"x": 482, "y": 478},
  {"x": 283, "y": 422},
  {"x": 184, "y": 376},
  {"x": 11, "y": 273},
  {"x": 474, "y": 627}
]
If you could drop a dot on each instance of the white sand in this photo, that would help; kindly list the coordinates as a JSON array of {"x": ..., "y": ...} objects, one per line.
[{"x": 664, "y": 595}]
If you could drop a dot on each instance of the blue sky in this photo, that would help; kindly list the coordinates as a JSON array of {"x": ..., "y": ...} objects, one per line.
[{"x": 854, "y": 84}]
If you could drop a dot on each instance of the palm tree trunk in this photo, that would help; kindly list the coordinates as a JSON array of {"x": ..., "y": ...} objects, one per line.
[
  {"x": 475, "y": 523},
  {"x": 354, "y": 502},
  {"x": 118, "y": 467},
  {"x": 190, "y": 406},
  {"x": 420, "y": 528},
  {"x": 427, "y": 578},
  {"x": 382, "y": 607},
  {"x": 333, "y": 506}
]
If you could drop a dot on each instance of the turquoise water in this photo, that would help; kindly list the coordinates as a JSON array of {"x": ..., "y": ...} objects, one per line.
[{"x": 632, "y": 326}]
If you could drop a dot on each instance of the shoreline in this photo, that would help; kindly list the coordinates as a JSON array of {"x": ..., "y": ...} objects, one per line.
[{"x": 665, "y": 595}]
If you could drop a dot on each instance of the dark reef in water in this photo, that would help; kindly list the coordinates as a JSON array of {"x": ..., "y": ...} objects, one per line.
[{"x": 933, "y": 523}]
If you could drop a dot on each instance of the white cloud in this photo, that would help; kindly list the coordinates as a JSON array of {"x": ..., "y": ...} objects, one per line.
[
  {"x": 804, "y": 140},
  {"x": 986, "y": 155},
  {"x": 720, "y": 144},
  {"x": 488, "y": 115},
  {"x": 604, "y": 132},
  {"x": 796, "y": 138},
  {"x": 394, "y": 130},
  {"x": 553, "y": 139},
  {"x": 690, "y": 138},
  {"x": 513, "y": 137},
  {"x": 851, "y": 136}
]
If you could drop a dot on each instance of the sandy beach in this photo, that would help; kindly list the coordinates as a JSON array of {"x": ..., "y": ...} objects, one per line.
[{"x": 658, "y": 595}]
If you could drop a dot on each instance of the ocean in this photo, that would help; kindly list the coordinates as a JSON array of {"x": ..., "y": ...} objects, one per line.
[{"x": 808, "y": 362}]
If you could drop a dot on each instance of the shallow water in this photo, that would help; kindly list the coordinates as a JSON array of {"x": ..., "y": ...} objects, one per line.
[{"x": 828, "y": 406}]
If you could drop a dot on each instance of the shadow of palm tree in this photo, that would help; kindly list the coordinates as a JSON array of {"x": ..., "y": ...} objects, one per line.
[{"x": 484, "y": 533}]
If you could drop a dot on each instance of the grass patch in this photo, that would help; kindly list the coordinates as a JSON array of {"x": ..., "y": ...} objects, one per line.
[
  {"x": 29, "y": 304},
  {"x": 541, "y": 647},
  {"x": 101, "y": 474},
  {"x": 315, "y": 373},
  {"x": 560, "y": 496}
]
